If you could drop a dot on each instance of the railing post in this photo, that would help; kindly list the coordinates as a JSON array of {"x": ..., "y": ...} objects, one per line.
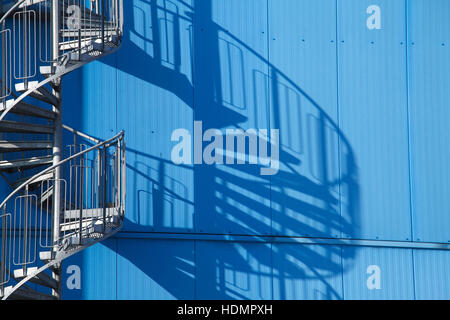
[
  {"x": 81, "y": 199},
  {"x": 25, "y": 234},
  {"x": 103, "y": 24},
  {"x": 4, "y": 68},
  {"x": 57, "y": 143},
  {"x": 4, "y": 248}
]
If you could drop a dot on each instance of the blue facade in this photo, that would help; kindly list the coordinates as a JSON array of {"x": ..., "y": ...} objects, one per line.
[{"x": 359, "y": 208}]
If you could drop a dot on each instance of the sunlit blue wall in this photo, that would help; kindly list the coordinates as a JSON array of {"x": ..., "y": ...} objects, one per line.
[{"x": 364, "y": 120}]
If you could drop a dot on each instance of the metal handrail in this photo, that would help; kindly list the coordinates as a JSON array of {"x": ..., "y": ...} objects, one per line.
[
  {"x": 117, "y": 18},
  {"x": 108, "y": 142},
  {"x": 80, "y": 134},
  {"x": 84, "y": 222},
  {"x": 11, "y": 10}
]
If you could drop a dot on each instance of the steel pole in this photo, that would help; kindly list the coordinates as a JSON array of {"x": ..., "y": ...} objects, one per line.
[{"x": 57, "y": 142}]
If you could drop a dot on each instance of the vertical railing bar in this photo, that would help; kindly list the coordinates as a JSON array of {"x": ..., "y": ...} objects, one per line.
[
  {"x": 103, "y": 25},
  {"x": 35, "y": 231},
  {"x": 81, "y": 201},
  {"x": 3, "y": 257},
  {"x": 25, "y": 49},
  {"x": 25, "y": 231},
  {"x": 14, "y": 232},
  {"x": 4, "y": 64},
  {"x": 104, "y": 187}
]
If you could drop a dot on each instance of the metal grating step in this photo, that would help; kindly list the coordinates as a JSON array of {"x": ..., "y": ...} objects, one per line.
[
  {"x": 16, "y": 146},
  {"x": 7, "y": 165},
  {"x": 40, "y": 93},
  {"x": 42, "y": 278},
  {"x": 21, "y": 127},
  {"x": 44, "y": 177},
  {"x": 27, "y": 294}
]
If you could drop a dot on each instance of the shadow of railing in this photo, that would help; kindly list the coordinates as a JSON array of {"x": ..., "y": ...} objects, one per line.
[{"x": 228, "y": 84}]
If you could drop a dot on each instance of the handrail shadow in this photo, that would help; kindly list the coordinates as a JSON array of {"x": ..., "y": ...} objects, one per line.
[{"x": 227, "y": 83}]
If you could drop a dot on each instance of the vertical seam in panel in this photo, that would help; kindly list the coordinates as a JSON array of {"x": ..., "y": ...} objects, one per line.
[
  {"x": 342, "y": 272},
  {"x": 117, "y": 92},
  {"x": 193, "y": 75},
  {"x": 413, "y": 274},
  {"x": 195, "y": 270},
  {"x": 336, "y": 40},
  {"x": 409, "y": 144},
  {"x": 408, "y": 121},
  {"x": 268, "y": 110},
  {"x": 117, "y": 269},
  {"x": 270, "y": 178},
  {"x": 338, "y": 113}
]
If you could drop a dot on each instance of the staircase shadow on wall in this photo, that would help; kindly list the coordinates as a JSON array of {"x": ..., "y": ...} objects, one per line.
[{"x": 309, "y": 197}]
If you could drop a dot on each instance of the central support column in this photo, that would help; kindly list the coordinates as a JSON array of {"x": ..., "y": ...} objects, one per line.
[{"x": 57, "y": 143}]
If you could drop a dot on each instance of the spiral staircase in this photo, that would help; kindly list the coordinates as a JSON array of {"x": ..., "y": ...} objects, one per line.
[{"x": 63, "y": 199}]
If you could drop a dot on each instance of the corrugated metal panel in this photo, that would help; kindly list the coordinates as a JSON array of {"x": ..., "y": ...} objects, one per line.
[
  {"x": 429, "y": 80},
  {"x": 72, "y": 289},
  {"x": 432, "y": 278},
  {"x": 394, "y": 267},
  {"x": 307, "y": 272},
  {"x": 98, "y": 109},
  {"x": 155, "y": 269},
  {"x": 233, "y": 271},
  {"x": 152, "y": 93},
  {"x": 373, "y": 115},
  {"x": 99, "y": 271},
  {"x": 155, "y": 98},
  {"x": 97, "y": 266},
  {"x": 303, "y": 88},
  {"x": 230, "y": 73}
]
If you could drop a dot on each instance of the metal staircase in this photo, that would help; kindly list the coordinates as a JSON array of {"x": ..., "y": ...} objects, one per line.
[{"x": 64, "y": 199}]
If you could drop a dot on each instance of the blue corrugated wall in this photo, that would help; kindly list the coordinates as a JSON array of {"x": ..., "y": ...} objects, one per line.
[{"x": 364, "y": 120}]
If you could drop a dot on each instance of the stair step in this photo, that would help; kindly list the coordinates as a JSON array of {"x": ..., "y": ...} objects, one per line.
[
  {"x": 91, "y": 213},
  {"x": 42, "y": 278},
  {"x": 41, "y": 93},
  {"x": 16, "y": 146},
  {"x": 45, "y": 256},
  {"x": 48, "y": 256},
  {"x": 30, "y": 2},
  {"x": 75, "y": 241},
  {"x": 26, "y": 109},
  {"x": 89, "y": 225},
  {"x": 6, "y": 165},
  {"x": 22, "y": 127},
  {"x": 27, "y": 294},
  {"x": 73, "y": 44},
  {"x": 44, "y": 177},
  {"x": 91, "y": 32},
  {"x": 46, "y": 195}
]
